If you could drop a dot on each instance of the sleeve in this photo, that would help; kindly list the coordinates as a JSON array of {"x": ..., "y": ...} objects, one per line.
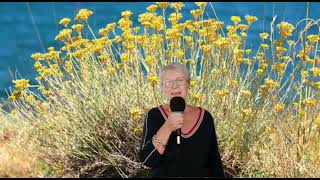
[
  {"x": 215, "y": 159},
  {"x": 148, "y": 154}
]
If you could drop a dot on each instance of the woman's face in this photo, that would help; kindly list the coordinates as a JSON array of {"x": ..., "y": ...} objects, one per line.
[{"x": 174, "y": 83}]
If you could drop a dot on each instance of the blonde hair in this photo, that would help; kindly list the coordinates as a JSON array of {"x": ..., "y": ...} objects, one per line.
[{"x": 174, "y": 66}]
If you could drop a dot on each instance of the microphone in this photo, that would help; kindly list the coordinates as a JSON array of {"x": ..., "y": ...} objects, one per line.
[{"x": 177, "y": 104}]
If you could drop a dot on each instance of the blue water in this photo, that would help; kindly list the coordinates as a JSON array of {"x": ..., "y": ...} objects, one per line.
[{"x": 31, "y": 27}]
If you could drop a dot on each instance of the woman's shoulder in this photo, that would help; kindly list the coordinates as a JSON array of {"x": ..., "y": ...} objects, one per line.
[
  {"x": 152, "y": 111},
  {"x": 206, "y": 113}
]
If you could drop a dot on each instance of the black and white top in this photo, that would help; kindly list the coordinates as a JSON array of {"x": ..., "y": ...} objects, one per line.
[{"x": 196, "y": 156}]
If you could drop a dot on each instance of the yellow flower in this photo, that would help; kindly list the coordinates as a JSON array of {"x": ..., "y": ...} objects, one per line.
[
  {"x": 315, "y": 71},
  {"x": 317, "y": 84},
  {"x": 21, "y": 84},
  {"x": 201, "y": 5},
  {"x": 206, "y": 48},
  {"x": 64, "y": 21},
  {"x": 69, "y": 66},
  {"x": 135, "y": 113},
  {"x": 287, "y": 58},
  {"x": 246, "y": 93},
  {"x": 30, "y": 99},
  {"x": 152, "y": 8},
  {"x": 65, "y": 33},
  {"x": 235, "y": 19},
  {"x": 264, "y": 35},
  {"x": 150, "y": 60},
  {"x": 124, "y": 57},
  {"x": 285, "y": 29},
  {"x": 111, "y": 70},
  {"x": 233, "y": 82},
  {"x": 260, "y": 71},
  {"x": 193, "y": 83},
  {"x": 126, "y": 14},
  {"x": 281, "y": 49},
  {"x": 313, "y": 38},
  {"x": 269, "y": 132},
  {"x": 153, "y": 79},
  {"x": 196, "y": 96},
  {"x": 251, "y": 19},
  {"x": 174, "y": 18},
  {"x": 83, "y": 14},
  {"x": 177, "y": 6},
  {"x": 310, "y": 102},
  {"x": 279, "y": 107},
  {"x": 12, "y": 98},
  {"x": 248, "y": 51},
  {"x": 163, "y": 5},
  {"x": 265, "y": 46},
  {"x": 302, "y": 112},
  {"x": 137, "y": 131},
  {"x": 243, "y": 27},
  {"x": 304, "y": 73},
  {"x": 290, "y": 43},
  {"x": 111, "y": 26},
  {"x": 37, "y": 56},
  {"x": 196, "y": 13},
  {"x": 77, "y": 27},
  {"x": 14, "y": 112},
  {"x": 222, "y": 93}
]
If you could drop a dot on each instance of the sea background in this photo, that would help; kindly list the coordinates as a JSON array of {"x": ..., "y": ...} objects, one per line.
[{"x": 29, "y": 27}]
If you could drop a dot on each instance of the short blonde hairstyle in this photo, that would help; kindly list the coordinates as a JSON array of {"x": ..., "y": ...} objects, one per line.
[{"x": 174, "y": 66}]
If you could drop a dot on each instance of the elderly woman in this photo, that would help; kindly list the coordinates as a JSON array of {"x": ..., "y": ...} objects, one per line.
[{"x": 197, "y": 155}]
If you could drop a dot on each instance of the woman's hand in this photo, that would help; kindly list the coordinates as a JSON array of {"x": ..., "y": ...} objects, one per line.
[{"x": 174, "y": 121}]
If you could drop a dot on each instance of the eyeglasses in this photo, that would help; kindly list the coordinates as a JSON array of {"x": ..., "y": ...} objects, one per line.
[{"x": 178, "y": 82}]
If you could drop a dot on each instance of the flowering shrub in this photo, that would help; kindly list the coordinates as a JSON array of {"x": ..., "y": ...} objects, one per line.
[{"x": 94, "y": 92}]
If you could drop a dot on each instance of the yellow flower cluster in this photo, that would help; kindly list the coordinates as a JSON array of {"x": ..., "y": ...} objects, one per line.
[
  {"x": 201, "y": 5},
  {"x": 152, "y": 8},
  {"x": 250, "y": 19},
  {"x": 163, "y": 5},
  {"x": 174, "y": 18},
  {"x": 196, "y": 13},
  {"x": 64, "y": 21},
  {"x": 150, "y": 60},
  {"x": 285, "y": 29},
  {"x": 135, "y": 113},
  {"x": 223, "y": 92},
  {"x": 196, "y": 96},
  {"x": 315, "y": 71},
  {"x": 246, "y": 93},
  {"x": 310, "y": 102},
  {"x": 235, "y": 19},
  {"x": 21, "y": 84},
  {"x": 64, "y": 34},
  {"x": 77, "y": 27},
  {"x": 264, "y": 35},
  {"x": 153, "y": 79},
  {"x": 279, "y": 67},
  {"x": 313, "y": 38},
  {"x": 279, "y": 107},
  {"x": 177, "y": 6},
  {"x": 83, "y": 14}
]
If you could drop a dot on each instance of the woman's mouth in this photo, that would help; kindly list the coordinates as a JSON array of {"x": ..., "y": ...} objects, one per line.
[{"x": 176, "y": 93}]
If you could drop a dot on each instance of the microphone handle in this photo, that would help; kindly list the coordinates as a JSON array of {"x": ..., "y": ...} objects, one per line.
[{"x": 178, "y": 135}]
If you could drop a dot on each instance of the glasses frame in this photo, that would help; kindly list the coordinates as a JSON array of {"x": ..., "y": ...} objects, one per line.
[{"x": 169, "y": 84}]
